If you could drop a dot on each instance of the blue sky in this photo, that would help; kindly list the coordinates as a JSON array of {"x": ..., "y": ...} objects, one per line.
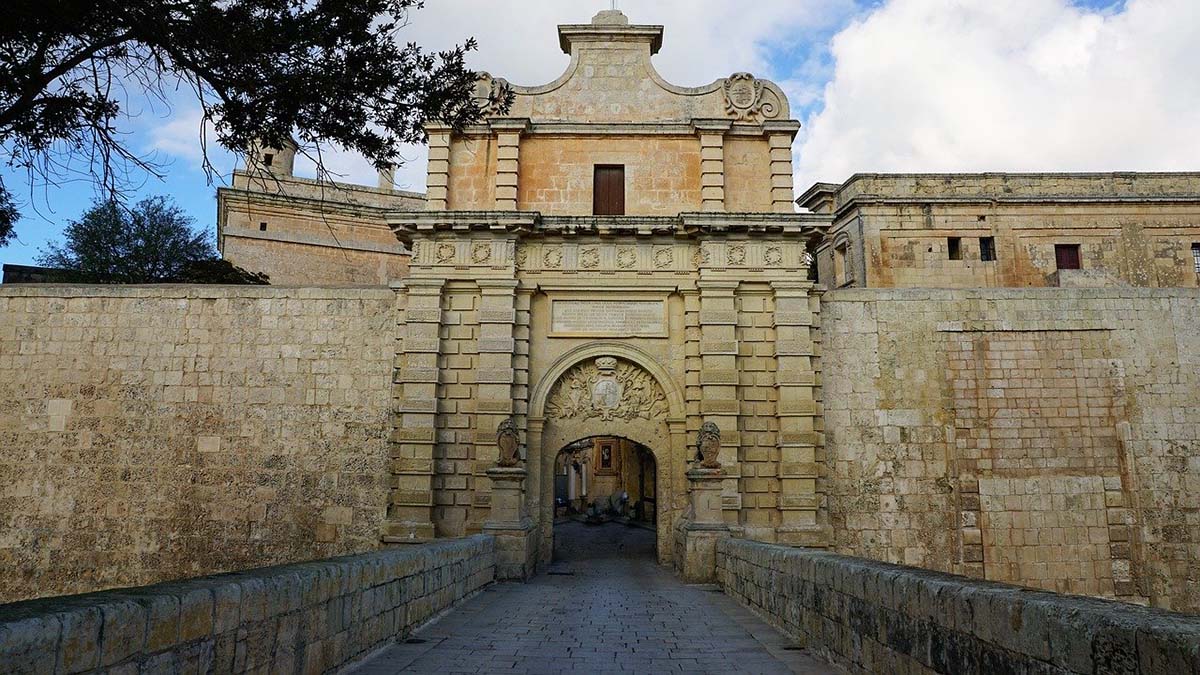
[{"x": 880, "y": 85}]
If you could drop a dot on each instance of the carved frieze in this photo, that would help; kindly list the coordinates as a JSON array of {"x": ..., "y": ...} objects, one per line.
[{"x": 607, "y": 389}]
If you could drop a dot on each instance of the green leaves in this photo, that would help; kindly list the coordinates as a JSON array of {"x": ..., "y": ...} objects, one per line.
[
  {"x": 322, "y": 71},
  {"x": 152, "y": 243}
]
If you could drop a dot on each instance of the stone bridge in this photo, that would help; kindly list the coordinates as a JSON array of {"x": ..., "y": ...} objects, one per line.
[{"x": 604, "y": 605}]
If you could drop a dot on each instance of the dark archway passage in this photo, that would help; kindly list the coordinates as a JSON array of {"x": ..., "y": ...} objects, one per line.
[{"x": 602, "y": 481}]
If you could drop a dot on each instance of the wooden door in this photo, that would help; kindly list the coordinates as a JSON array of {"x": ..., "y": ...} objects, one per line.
[
  {"x": 1066, "y": 256},
  {"x": 608, "y": 194}
]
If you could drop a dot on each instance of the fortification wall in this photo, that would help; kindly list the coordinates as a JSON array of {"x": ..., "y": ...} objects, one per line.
[
  {"x": 1047, "y": 438},
  {"x": 154, "y": 433}
]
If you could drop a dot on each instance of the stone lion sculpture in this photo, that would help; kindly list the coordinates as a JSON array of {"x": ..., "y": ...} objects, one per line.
[
  {"x": 509, "y": 440},
  {"x": 708, "y": 445}
]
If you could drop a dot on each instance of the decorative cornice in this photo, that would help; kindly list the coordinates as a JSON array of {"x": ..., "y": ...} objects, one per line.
[{"x": 532, "y": 224}]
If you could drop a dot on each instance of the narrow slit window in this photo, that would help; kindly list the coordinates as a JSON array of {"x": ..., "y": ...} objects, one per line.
[
  {"x": 987, "y": 249},
  {"x": 608, "y": 190},
  {"x": 1066, "y": 256},
  {"x": 262, "y": 227},
  {"x": 1196, "y": 257},
  {"x": 954, "y": 247}
]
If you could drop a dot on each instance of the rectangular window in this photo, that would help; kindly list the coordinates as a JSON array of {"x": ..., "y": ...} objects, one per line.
[
  {"x": 608, "y": 190},
  {"x": 1066, "y": 256},
  {"x": 987, "y": 249},
  {"x": 267, "y": 159},
  {"x": 262, "y": 227},
  {"x": 1196, "y": 257},
  {"x": 954, "y": 247}
]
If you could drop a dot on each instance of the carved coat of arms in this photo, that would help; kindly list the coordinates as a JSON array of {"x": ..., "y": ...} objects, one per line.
[
  {"x": 745, "y": 97},
  {"x": 608, "y": 389}
]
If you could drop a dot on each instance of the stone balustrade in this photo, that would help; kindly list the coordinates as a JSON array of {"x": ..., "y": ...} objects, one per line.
[
  {"x": 303, "y": 618},
  {"x": 874, "y": 617}
]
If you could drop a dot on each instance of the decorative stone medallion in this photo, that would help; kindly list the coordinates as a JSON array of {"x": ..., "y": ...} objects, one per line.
[
  {"x": 481, "y": 253},
  {"x": 445, "y": 253},
  {"x": 589, "y": 258},
  {"x": 664, "y": 258},
  {"x": 490, "y": 93},
  {"x": 744, "y": 97},
  {"x": 552, "y": 258},
  {"x": 773, "y": 256}
]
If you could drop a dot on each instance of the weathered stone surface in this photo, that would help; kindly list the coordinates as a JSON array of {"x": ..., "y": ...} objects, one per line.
[
  {"x": 1039, "y": 437},
  {"x": 872, "y": 617},
  {"x": 204, "y": 429},
  {"x": 284, "y": 626}
]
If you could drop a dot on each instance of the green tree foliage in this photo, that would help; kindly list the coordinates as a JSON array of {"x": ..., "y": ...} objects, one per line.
[
  {"x": 262, "y": 70},
  {"x": 8, "y": 216},
  {"x": 152, "y": 243}
]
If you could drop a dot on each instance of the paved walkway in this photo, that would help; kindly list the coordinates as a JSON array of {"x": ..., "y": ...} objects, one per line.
[{"x": 605, "y": 607}]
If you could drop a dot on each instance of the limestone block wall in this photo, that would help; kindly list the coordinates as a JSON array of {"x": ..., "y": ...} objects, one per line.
[
  {"x": 1049, "y": 438},
  {"x": 662, "y": 174},
  {"x": 267, "y": 223},
  {"x": 874, "y": 617},
  {"x": 155, "y": 433},
  {"x": 307, "y": 618}
]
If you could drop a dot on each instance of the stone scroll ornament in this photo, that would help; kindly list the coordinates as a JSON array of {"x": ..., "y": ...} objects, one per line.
[
  {"x": 491, "y": 93},
  {"x": 746, "y": 97},
  {"x": 509, "y": 441},
  {"x": 708, "y": 445}
]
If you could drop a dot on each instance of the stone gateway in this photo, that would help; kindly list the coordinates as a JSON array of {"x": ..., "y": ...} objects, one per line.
[{"x": 608, "y": 305}]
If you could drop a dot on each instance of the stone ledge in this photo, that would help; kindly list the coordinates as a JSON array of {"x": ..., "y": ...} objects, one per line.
[
  {"x": 309, "y": 617},
  {"x": 871, "y": 616}
]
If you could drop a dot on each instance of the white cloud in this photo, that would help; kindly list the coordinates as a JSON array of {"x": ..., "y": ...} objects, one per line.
[
  {"x": 1023, "y": 85},
  {"x": 518, "y": 40}
]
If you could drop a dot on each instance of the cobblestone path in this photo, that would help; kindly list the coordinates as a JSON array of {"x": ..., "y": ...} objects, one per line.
[{"x": 606, "y": 607}]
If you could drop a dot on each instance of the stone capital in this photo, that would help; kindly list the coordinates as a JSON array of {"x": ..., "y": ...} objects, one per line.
[
  {"x": 509, "y": 124},
  {"x": 711, "y": 126}
]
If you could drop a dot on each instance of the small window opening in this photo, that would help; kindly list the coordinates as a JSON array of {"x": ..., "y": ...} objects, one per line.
[
  {"x": 954, "y": 247},
  {"x": 262, "y": 227},
  {"x": 1196, "y": 257},
  {"x": 982, "y": 219},
  {"x": 1066, "y": 256},
  {"x": 608, "y": 190},
  {"x": 839, "y": 265},
  {"x": 987, "y": 248},
  {"x": 267, "y": 159}
]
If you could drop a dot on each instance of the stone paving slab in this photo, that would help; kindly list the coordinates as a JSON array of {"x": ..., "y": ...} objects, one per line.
[{"x": 615, "y": 612}]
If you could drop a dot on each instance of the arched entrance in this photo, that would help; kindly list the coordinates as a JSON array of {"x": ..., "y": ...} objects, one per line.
[
  {"x": 605, "y": 480},
  {"x": 613, "y": 391}
]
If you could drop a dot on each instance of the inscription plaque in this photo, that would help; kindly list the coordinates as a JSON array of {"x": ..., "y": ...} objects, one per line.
[{"x": 608, "y": 317}]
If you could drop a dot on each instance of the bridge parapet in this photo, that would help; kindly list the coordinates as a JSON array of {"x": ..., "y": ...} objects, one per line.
[
  {"x": 305, "y": 618},
  {"x": 872, "y": 617}
]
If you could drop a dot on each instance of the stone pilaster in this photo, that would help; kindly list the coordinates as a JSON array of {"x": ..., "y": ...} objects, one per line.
[
  {"x": 414, "y": 436},
  {"x": 800, "y": 440},
  {"x": 510, "y": 524},
  {"x": 437, "y": 181},
  {"x": 719, "y": 379},
  {"x": 696, "y": 537},
  {"x": 508, "y": 160},
  {"x": 780, "y": 135},
  {"x": 494, "y": 378},
  {"x": 712, "y": 162}
]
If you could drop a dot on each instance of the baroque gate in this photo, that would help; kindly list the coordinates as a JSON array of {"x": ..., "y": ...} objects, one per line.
[{"x": 529, "y": 298}]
